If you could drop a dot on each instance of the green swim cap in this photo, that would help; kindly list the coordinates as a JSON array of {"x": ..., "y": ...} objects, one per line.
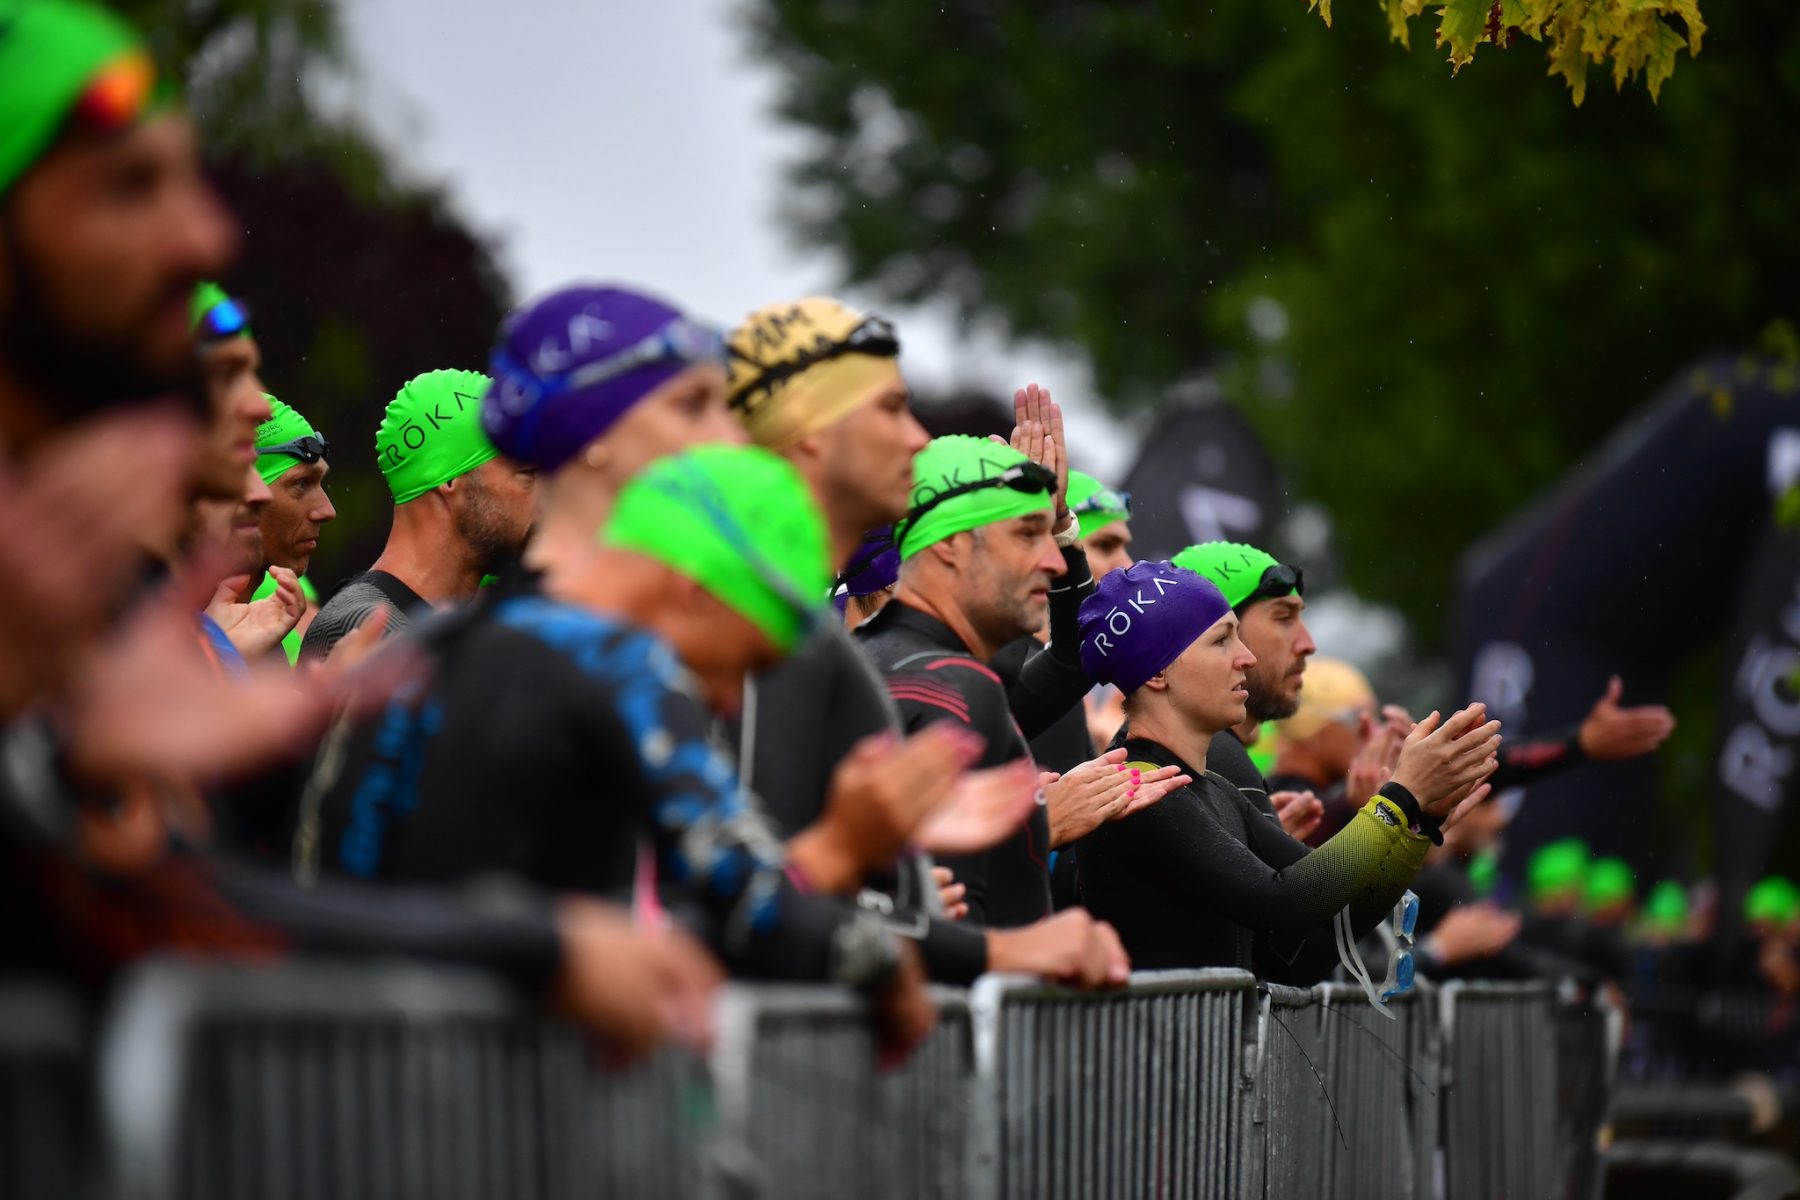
[
  {"x": 957, "y": 461},
  {"x": 1775, "y": 901},
  {"x": 1233, "y": 566},
  {"x": 1094, "y": 504},
  {"x": 1484, "y": 871},
  {"x": 283, "y": 426},
  {"x": 1263, "y": 753},
  {"x": 1558, "y": 869},
  {"x": 431, "y": 432},
  {"x": 1609, "y": 882},
  {"x": 52, "y": 52},
  {"x": 1666, "y": 907},
  {"x": 740, "y": 522}
]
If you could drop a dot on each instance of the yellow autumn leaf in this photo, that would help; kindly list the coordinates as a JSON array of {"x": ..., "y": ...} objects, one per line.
[
  {"x": 1567, "y": 56},
  {"x": 1461, "y": 26},
  {"x": 1397, "y": 16},
  {"x": 1322, "y": 7}
]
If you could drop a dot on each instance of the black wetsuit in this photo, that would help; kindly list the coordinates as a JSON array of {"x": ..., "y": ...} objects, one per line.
[
  {"x": 932, "y": 677},
  {"x": 1201, "y": 877},
  {"x": 354, "y": 601},
  {"x": 803, "y": 717},
  {"x": 1227, "y": 757},
  {"x": 550, "y": 742}
]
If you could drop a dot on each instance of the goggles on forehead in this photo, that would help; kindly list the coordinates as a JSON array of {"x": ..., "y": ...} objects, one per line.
[
  {"x": 308, "y": 449},
  {"x": 1104, "y": 500},
  {"x": 696, "y": 488},
  {"x": 228, "y": 318},
  {"x": 118, "y": 95},
  {"x": 1025, "y": 477},
  {"x": 679, "y": 340},
  {"x": 1278, "y": 580},
  {"x": 874, "y": 337}
]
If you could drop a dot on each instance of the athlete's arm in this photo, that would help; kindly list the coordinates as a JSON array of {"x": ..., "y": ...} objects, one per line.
[
  {"x": 1365, "y": 867},
  {"x": 1052, "y": 681}
]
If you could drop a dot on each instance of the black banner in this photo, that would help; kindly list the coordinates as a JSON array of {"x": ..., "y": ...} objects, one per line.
[
  {"x": 1202, "y": 475},
  {"x": 1640, "y": 558}
]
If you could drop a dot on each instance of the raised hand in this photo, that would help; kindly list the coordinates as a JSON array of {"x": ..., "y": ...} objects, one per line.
[
  {"x": 1101, "y": 790},
  {"x": 634, "y": 987},
  {"x": 1038, "y": 435},
  {"x": 1070, "y": 948},
  {"x": 74, "y": 520},
  {"x": 1442, "y": 759},
  {"x": 257, "y": 627},
  {"x": 879, "y": 795},
  {"x": 1610, "y": 732},
  {"x": 984, "y": 808},
  {"x": 1298, "y": 812}
]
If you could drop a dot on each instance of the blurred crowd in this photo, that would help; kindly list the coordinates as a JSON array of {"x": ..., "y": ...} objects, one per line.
[{"x": 689, "y": 655}]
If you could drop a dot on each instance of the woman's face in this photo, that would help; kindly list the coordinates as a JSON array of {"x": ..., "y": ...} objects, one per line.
[
  {"x": 1207, "y": 681},
  {"x": 687, "y": 411}
]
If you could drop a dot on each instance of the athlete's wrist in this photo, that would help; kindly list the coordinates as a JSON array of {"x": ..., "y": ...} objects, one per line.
[{"x": 818, "y": 853}]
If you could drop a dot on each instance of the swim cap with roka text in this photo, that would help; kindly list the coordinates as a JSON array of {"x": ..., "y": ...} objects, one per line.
[
  {"x": 953, "y": 462},
  {"x": 1141, "y": 618},
  {"x": 431, "y": 433},
  {"x": 570, "y": 364}
]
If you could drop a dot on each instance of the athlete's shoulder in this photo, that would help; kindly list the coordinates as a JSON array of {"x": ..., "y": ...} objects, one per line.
[
  {"x": 955, "y": 684},
  {"x": 601, "y": 645}
]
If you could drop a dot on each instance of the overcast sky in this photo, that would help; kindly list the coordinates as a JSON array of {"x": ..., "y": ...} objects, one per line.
[{"x": 634, "y": 140}]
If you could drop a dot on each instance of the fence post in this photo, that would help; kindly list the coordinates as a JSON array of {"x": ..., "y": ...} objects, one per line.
[
  {"x": 1137, "y": 1091},
  {"x": 1500, "y": 1135},
  {"x": 43, "y": 1091},
  {"x": 804, "y": 1111}
]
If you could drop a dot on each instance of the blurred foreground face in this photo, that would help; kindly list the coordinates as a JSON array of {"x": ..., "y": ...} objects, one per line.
[
  {"x": 236, "y": 524},
  {"x": 298, "y": 509},
  {"x": 234, "y": 388},
  {"x": 1276, "y": 634},
  {"x": 1108, "y": 548},
  {"x": 101, "y": 244},
  {"x": 867, "y": 458},
  {"x": 686, "y": 411},
  {"x": 719, "y": 645}
]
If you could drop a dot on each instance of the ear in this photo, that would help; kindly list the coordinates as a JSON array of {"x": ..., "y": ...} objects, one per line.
[
  {"x": 595, "y": 455},
  {"x": 947, "y": 551},
  {"x": 1158, "y": 682}
]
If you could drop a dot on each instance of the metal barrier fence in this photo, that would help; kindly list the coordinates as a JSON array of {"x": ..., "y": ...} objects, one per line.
[
  {"x": 345, "y": 1082},
  {"x": 802, "y": 1113},
  {"x": 43, "y": 1092},
  {"x": 1588, "y": 1033},
  {"x": 1133, "y": 1093},
  {"x": 1383, "y": 1076},
  {"x": 320, "y": 1080},
  {"x": 1500, "y": 1117}
]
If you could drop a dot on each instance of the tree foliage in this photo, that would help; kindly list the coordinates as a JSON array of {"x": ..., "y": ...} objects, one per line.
[
  {"x": 1432, "y": 297},
  {"x": 1639, "y": 37}
]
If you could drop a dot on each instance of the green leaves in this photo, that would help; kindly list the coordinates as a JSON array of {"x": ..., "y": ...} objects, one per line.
[{"x": 1639, "y": 37}]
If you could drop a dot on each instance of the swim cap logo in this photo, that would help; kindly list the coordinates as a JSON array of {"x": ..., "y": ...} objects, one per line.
[
  {"x": 984, "y": 468},
  {"x": 1119, "y": 619},
  {"x": 586, "y": 332},
  {"x": 412, "y": 434}
]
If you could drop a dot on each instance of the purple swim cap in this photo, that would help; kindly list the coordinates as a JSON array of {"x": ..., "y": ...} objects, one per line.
[
  {"x": 1141, "y": 618},
  {"x": 570, "y": 364}
]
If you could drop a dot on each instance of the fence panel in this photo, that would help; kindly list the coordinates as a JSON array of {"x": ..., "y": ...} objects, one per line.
[
  {"x": 1293, "y": 1115},
  {"x": 1382, "y": 1078},
  {"x": 1588, "y": 1032},
  {"x": 340, "y": 1082},
  {"x": 1135, "y": 1092},
  {"x": 805, "y": 1111},
  {"x": 1500, "y": 1115},
  {"x": 43, "y": 1092}
]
